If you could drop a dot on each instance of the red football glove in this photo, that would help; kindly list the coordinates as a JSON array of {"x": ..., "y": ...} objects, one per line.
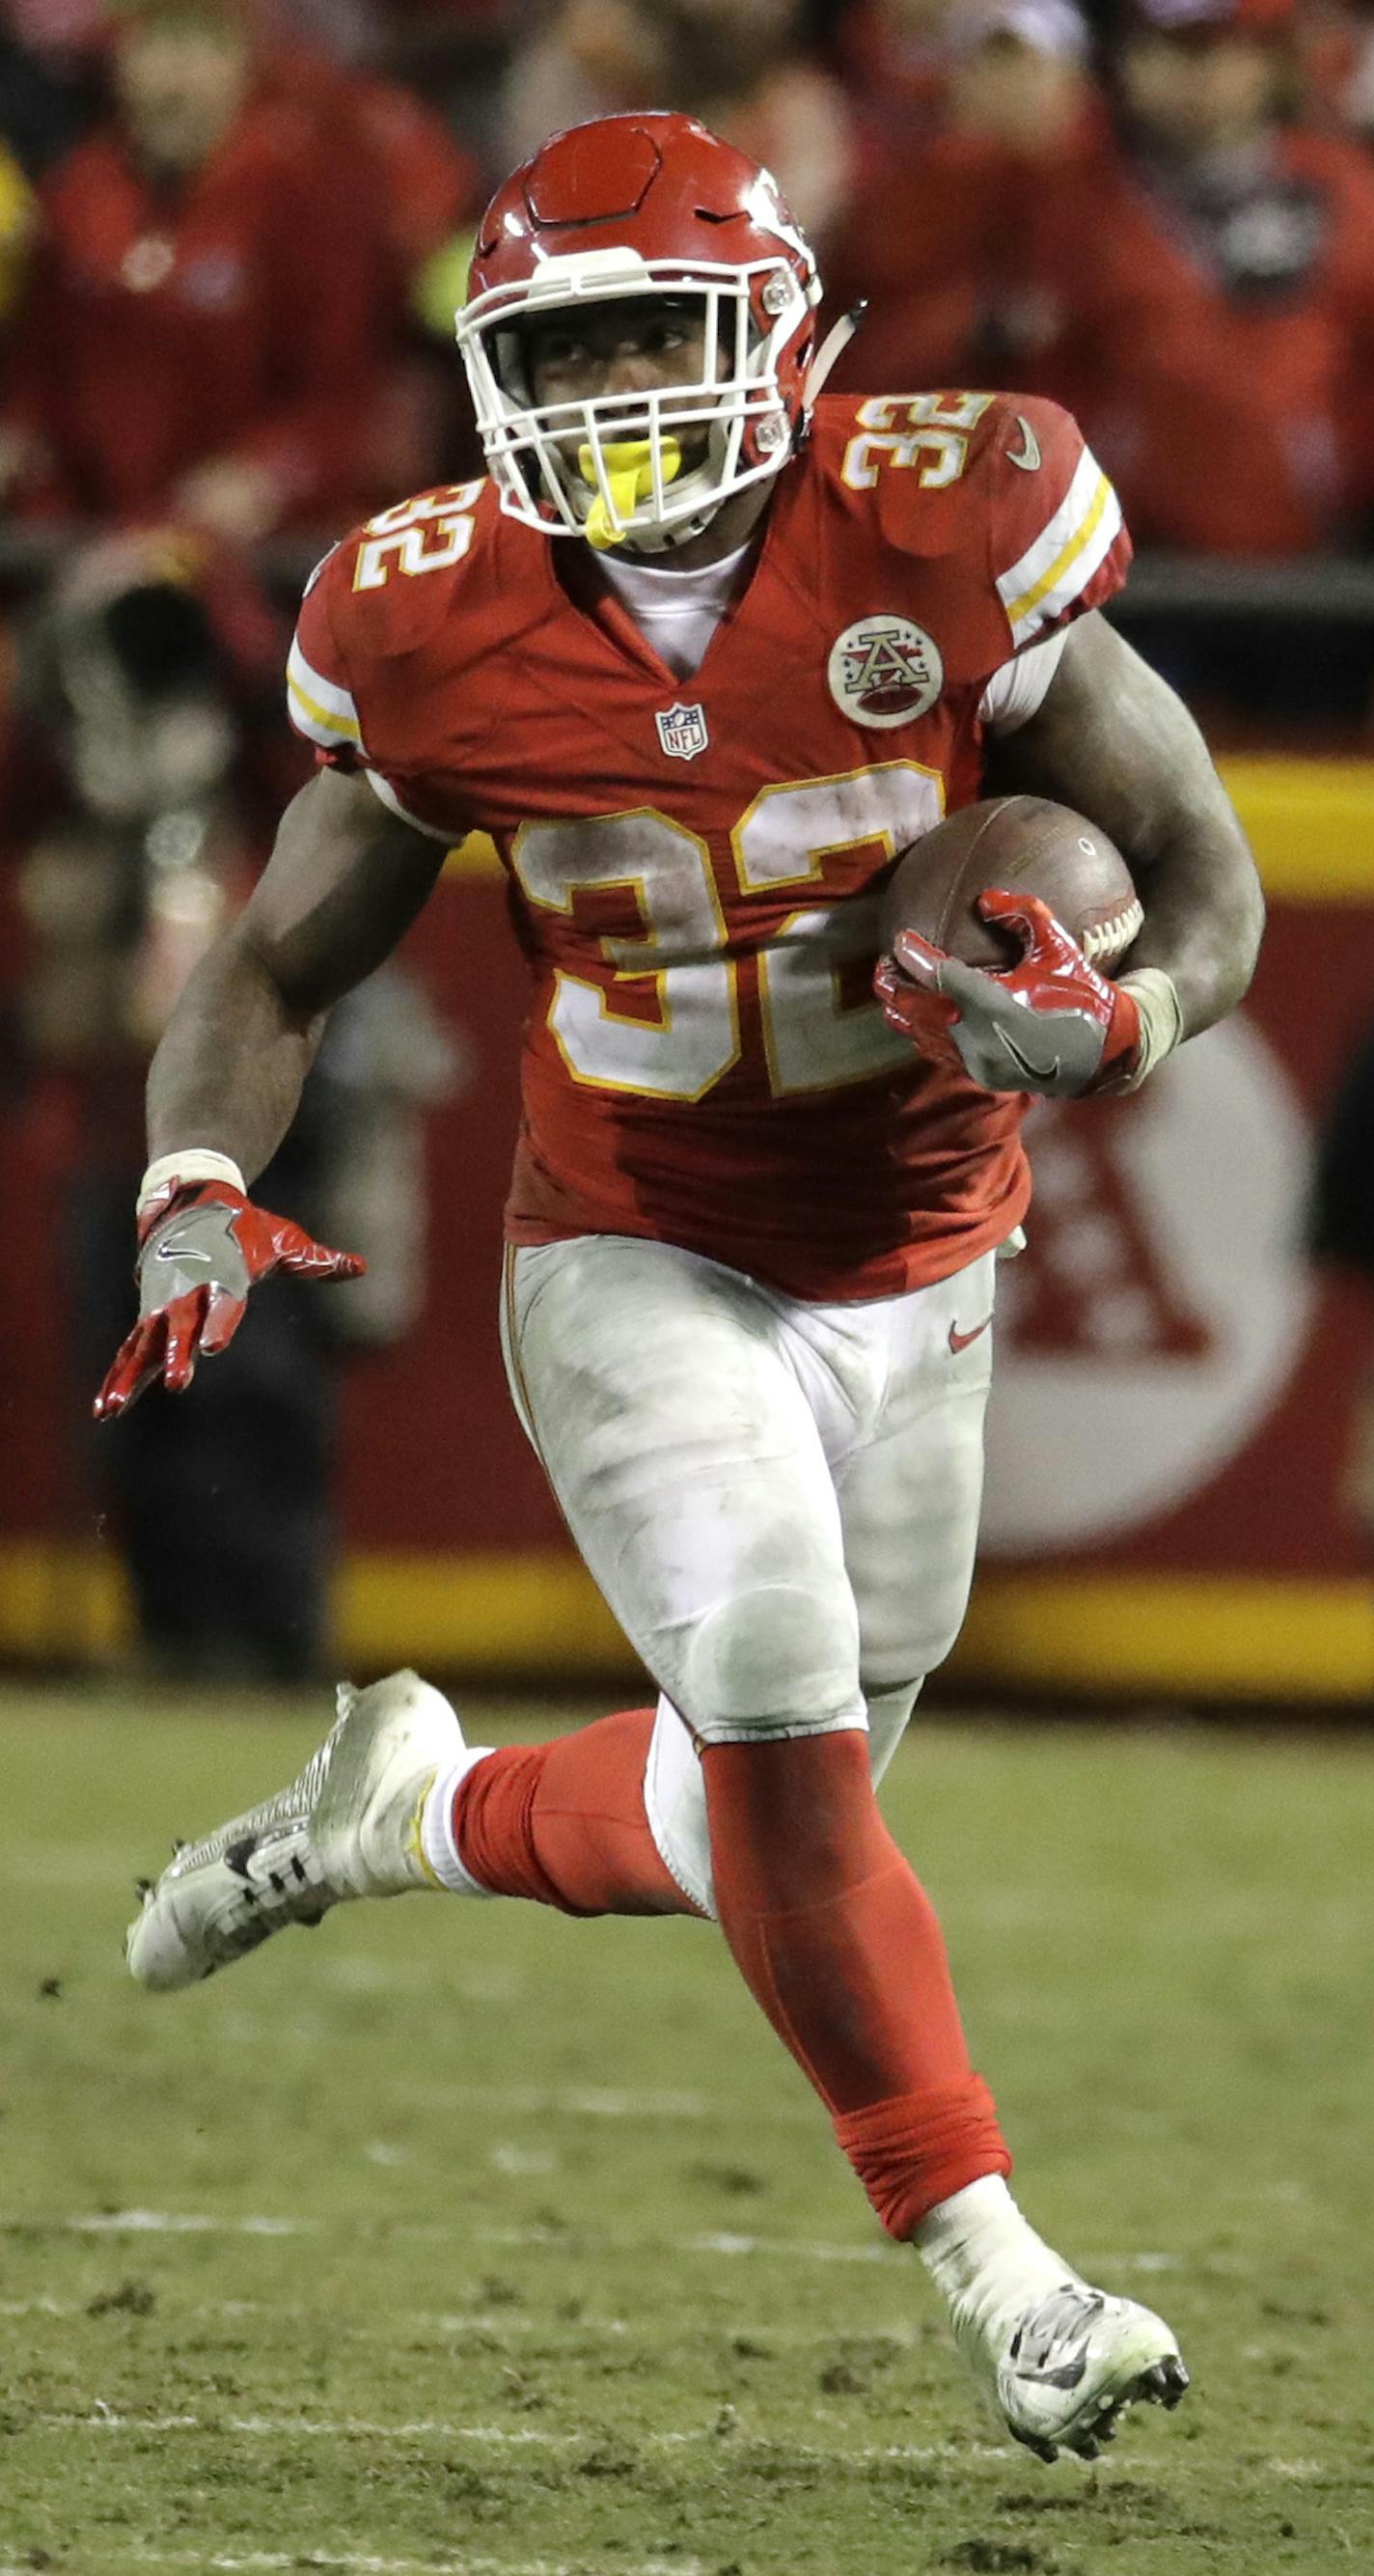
[
  {"x": 204, "y": 1245},
  {"x": 1051, "y": 1024}
]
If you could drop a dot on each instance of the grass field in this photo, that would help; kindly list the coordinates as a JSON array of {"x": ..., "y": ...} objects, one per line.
[{"x": 463, "y": 2238}]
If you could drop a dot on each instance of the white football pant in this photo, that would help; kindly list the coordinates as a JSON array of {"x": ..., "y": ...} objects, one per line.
[{"x": 778, "y": 1500}]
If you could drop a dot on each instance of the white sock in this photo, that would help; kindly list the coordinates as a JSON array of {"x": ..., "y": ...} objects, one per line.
[
  {"x": 436, "y": 1825},
  {"x": 984, "y": 2255}
]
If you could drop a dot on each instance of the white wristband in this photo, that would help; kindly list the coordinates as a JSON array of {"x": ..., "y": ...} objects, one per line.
[
  {"x": 194, "y": 1163},
  {"x": 1161, "y": 1020}
]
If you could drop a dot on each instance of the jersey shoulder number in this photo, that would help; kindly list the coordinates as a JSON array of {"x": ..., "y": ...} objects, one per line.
[
  {"x": 376, "y": 596},
  {"x": 925, "y": 435},
  {"x": 1005, "y": 482},
  {"x": 423, "y": 535}
]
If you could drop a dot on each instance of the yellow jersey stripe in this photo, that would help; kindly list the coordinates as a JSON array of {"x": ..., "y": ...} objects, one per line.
[{"x": 1050, "y": 579}]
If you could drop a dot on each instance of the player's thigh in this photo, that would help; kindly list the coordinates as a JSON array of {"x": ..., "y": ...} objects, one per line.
[
  {"x": 693, "y": 1477},
  {"x": 910, "y": 1493}
]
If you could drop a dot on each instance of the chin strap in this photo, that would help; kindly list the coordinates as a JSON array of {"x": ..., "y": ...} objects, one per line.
[{"x": 831, "y": 350}]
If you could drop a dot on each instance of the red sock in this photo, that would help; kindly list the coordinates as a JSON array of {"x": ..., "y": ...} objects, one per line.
[
  {"x": 564, "y": 1822},
  {"x": 840, "y": 1945}
]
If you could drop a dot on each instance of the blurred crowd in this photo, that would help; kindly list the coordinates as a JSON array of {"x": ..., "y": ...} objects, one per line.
[
  {"x": 233, "y": 231},
  {"x": 232, "y": 237}
]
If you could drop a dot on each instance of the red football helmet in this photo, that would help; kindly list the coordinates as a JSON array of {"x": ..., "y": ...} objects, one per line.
[{"x": 639, "y": 206}]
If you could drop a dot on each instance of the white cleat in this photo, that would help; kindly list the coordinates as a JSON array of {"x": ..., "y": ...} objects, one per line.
[
  {"x": 1063, "y": 2369},
  {"x": 349, "y": 1826}
]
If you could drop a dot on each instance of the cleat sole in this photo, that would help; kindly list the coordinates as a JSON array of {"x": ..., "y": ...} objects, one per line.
[{"x": 1163, "y": 2384}]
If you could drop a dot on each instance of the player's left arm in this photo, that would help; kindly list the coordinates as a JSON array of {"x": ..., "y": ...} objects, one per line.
[{"x": 1113, "y": 740}]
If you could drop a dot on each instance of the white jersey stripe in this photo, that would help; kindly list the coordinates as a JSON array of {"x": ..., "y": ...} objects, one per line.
[
  {"x": 326, "y": 732},
  {"x": 1074, "y": 576},
  {"x": 338, "y": 701},
  {"x": 1072, "y": 511},
  {"x": 322, "y": 710},
  {"x": 1057, "y": 564},
  {"x": 382, "y": 787},
  {"x": 1017, "y": 692}
]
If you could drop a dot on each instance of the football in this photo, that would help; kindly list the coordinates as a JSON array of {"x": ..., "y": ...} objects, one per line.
[{"x": 1021, "y": 842}]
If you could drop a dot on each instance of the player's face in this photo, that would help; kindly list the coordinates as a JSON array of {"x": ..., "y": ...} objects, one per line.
[{"x": 643, "y": 345}]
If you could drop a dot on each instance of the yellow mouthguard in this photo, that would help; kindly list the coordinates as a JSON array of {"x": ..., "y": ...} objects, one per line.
[{"x": 630, "y": 474}]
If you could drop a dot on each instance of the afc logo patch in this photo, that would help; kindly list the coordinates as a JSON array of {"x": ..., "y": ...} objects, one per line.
[
  {"x": 682, "y": 731},
  {"x": 884, "y": 671}
]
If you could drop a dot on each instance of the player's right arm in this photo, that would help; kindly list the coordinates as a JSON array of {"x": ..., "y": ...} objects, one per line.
[
  {"x": 344, "y": 883},
  {"x": 345, "y": 880}
]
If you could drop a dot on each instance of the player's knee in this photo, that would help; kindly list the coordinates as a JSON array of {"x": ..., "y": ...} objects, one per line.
[{"x": 779, "y": 1659}]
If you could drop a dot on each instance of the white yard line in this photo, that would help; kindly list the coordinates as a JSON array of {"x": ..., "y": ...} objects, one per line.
[
  {"x": 261, "y": 2562},
  {"x": 199, "y": 2222},
  {"x": 105, "y": 2419},
  {"x": 505, "y": 2325},
  {"x": 171, "y": 2222},
  {"x": 575, "y": 2101},
  {"x": 723, "y": 2243},
  {"x": 539, "y": 2101},
  {"x": 607, "y": 2102}
]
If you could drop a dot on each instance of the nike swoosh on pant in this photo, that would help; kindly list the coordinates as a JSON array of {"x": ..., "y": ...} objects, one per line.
[{"x": 960, "y": 1341}]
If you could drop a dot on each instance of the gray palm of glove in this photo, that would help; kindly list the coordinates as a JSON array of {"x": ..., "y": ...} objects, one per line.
[
  {"x": 200, "y": 1258},
  {"x": 1006, "y": 1044},
  {"x": 195, "y": 1248},
  {"x": 1049, "y": 1024}
]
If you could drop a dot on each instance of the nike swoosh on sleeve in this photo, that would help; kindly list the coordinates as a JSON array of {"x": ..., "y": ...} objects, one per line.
[{"x": 1029, "y": 456}]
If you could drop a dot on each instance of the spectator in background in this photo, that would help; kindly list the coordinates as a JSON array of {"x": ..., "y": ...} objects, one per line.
[
  {"x": 384, "y": 135},
  {"x": 1355, "y": 93},
  {"x": 142, "y": 679},
  {"x": 895, "y": 60},
  {"x": 1335, "y": 40},
  {"x": 47, "y": 48},
  {"x": 209, "y": 318},
  {"x": 16, "y": 232},
  {"x": 413, "y": 186},
  {"x": 1000, "y": 106},
  {"x": 1341, "y": 1231},
  {"x": 347, "y": 29},
  {"x": 743, "y": 67},
  {"x": 587, "y": 58},
  {"x": 1207, "y": 279}
]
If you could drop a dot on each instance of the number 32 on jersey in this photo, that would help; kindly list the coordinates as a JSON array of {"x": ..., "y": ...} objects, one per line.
[{"x": 814, "y": 1040}]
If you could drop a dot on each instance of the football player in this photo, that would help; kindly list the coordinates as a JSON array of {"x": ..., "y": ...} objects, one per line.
[{"x": 702, "y": 655}]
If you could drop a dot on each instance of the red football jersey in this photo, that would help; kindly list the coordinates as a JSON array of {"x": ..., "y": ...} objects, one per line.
[{"x": 696, "y": 866}]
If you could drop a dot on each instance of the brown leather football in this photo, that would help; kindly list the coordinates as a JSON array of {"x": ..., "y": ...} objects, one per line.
[{"x": 1025, "y": 843}]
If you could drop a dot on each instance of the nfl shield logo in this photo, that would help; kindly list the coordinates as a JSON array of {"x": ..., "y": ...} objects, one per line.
[{"x": 682, "y": 731}]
